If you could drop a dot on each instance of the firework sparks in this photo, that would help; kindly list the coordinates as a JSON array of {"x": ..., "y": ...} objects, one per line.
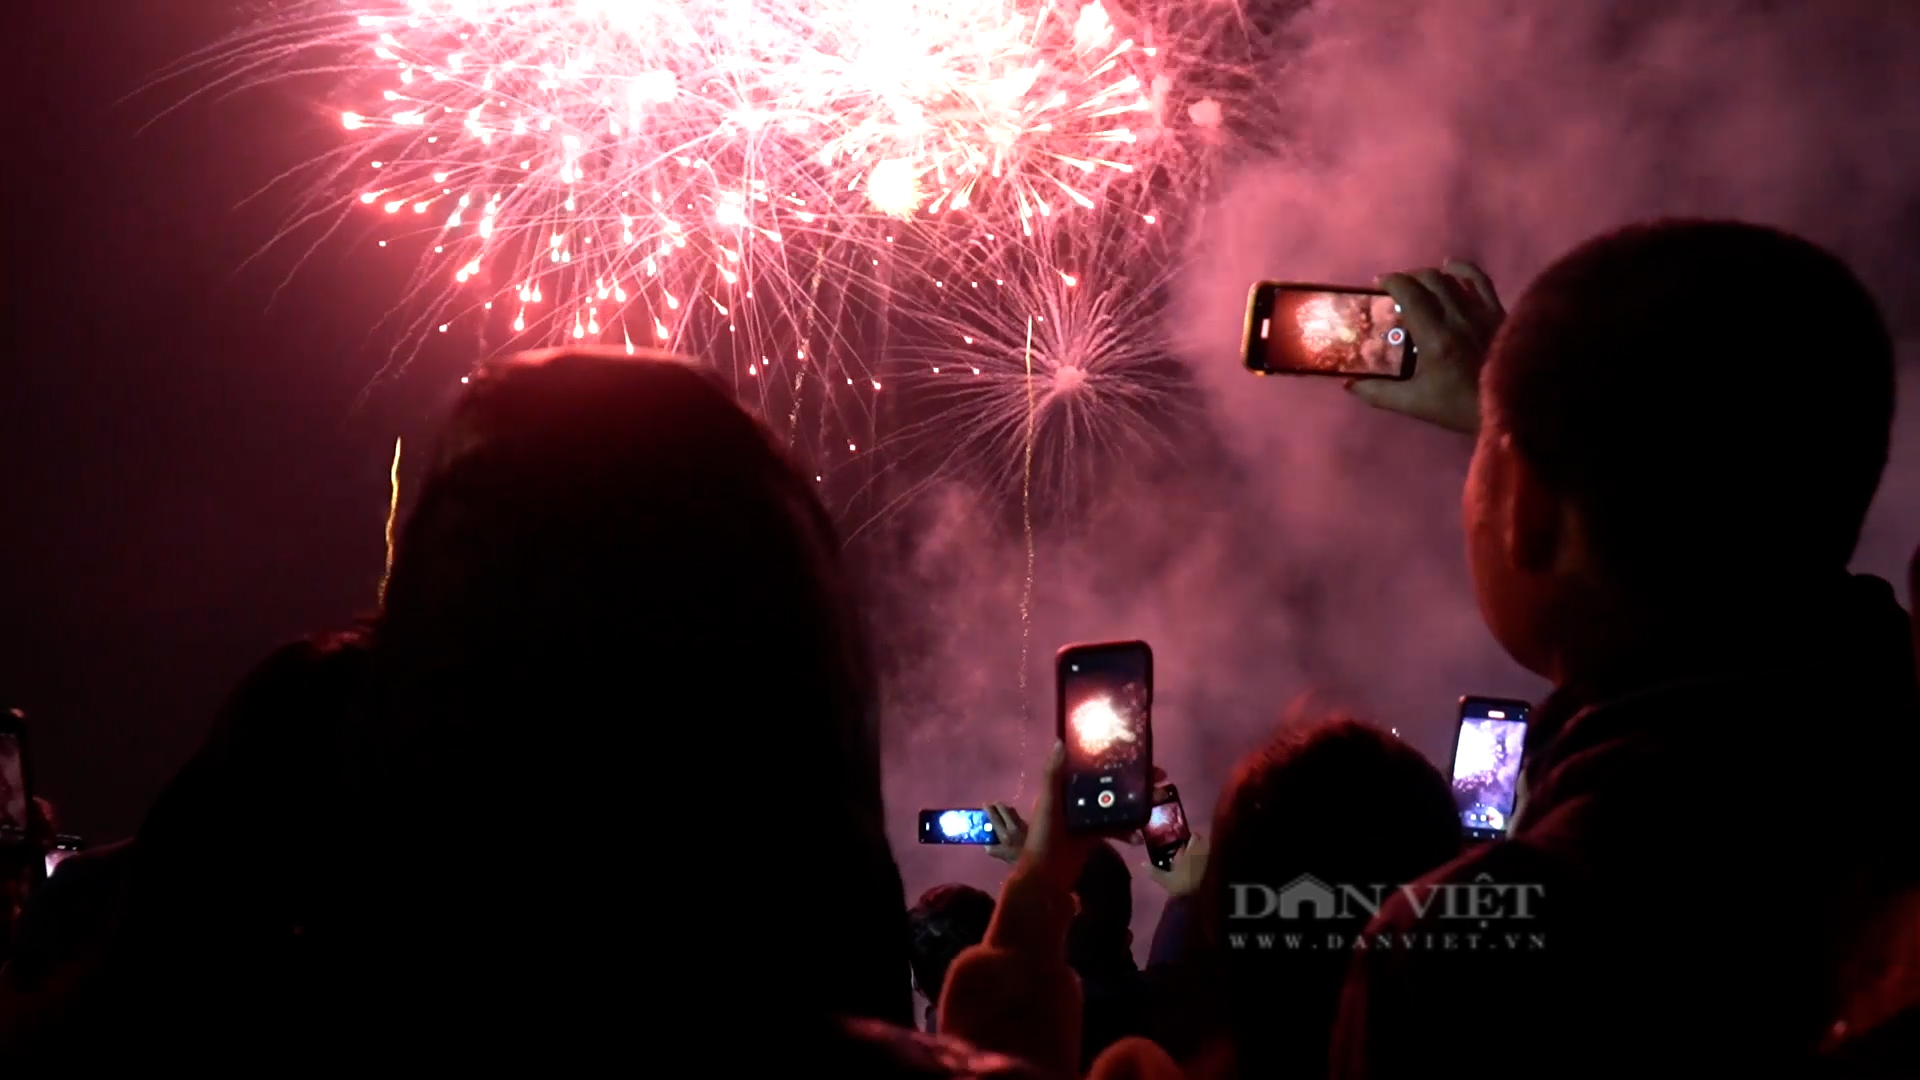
[
  {"x": 608, "y": 169},
  {"x": 1043, "y": 367}
]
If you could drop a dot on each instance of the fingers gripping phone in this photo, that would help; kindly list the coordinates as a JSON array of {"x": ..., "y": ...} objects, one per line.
[
  {"x": 1105, "y": 720},
  {"x": 1296, "y": 329},
  {"x": 957, "y": 827},
  {"x": 16, "y": 801},
  {"x": 1166, "y": 832},
  {"x": 1487, "y": 751}
]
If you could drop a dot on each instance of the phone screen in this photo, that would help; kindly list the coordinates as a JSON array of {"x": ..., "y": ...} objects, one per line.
[
  {"x": 1106, "y": 694},
  {"x": 1166, "y": 827},
  {"x": 956, "y": 827},
  {"x": 1318, "y": 330},
  {"x": 13, "y": 790},
  {"x": 1486, "y": 763}
]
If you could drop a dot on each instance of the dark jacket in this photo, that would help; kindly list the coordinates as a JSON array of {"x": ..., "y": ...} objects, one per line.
[
  {"x": 1116, "y": 1006},
  {"x": 1706, "y": 832}
]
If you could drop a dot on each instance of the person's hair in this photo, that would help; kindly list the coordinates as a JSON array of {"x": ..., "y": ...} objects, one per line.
[
  {"x": 618, "y": 641},
  {"x": 1098, "y": 933},
  {"x": 947, "y": 920},
  {"x": 1346, "y": 803},
  {"x": 1715, "y": 397}
]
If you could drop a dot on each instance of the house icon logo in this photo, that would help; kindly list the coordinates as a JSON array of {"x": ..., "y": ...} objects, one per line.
[{"x": 1307, "y": 893}]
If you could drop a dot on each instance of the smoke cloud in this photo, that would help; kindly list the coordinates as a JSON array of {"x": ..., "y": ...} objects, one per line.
[{"x": 1316, "y": 549}]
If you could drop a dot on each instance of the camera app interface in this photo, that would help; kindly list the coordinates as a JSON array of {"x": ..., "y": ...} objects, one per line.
[
  {"x": 1334, "y": 333},
  {"x": 1167, "y": 827},
  {"x": 1109, "y": 766},
  {"x": 957, "y": 827},
  {"x": 1486, "y": 766},
  {"x": 13, "y": 791}
]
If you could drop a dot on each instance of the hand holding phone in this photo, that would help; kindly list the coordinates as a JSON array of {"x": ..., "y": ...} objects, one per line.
[
  {"x": 1488, "y": 750},
  {"x": 1009, "y": 831},
  {"x": 63, "y": 847},
  {"x": 1453, "y": 312},
  {"x": 1166, "y": 832},
  {"x": 1105, "y": 698},
  {"x": 1184, "y": 869}
]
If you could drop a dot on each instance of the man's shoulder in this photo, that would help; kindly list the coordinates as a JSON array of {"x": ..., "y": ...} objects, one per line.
[{"x": 1506, "y": 874}]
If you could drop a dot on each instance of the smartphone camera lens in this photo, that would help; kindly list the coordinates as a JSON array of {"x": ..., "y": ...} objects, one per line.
[{"x": 1396, "y": 336}]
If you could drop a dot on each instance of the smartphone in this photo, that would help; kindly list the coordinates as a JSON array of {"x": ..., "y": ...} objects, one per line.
[
  {"x": 1487, "y": 749},
  {"x": 1295, "y": 329},
  {"x": 16, "y": 803},
  {"x": 956, "y": 827},
  {"x": 1105, "y": 720},
  {"x": 1166, "y": 832},
  {"x": 63, "y": 846}
]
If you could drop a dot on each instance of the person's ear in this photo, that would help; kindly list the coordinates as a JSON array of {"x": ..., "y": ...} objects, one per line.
[{"x": 1535, "y": 516}]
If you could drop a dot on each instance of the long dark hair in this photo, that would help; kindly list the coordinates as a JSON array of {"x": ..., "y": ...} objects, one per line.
[{"x": 623, "y": 709}]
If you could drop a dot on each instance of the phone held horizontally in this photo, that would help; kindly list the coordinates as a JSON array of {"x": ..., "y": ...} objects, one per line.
[
  {"x": 1166, "y": 832},
  {"x": 971, "y": 826},
  {"x": 1104, "y": 715},
  {"x": 1298, "y": 329},
  {"x": 1488, "y": 749}
]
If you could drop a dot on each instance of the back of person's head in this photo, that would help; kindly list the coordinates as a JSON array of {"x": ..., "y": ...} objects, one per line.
[
  {"x": 948, "y": 920},
  {"x": 1714, "y": 399},
  {"x": 1101, "y": 934},
  {"x": 1346, "y": 804},
  {"x": 617, "y": 636}
]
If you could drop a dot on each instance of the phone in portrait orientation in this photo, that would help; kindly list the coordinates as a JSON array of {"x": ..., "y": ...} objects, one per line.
[
  {"x": 1166, "y": 832},
  {"x": 1487, "y": 750},
  {"x": 957, "y": 827},
  {"x": 1295, "y": 329},
  {"x": 63, "y": 846},
  {"x": 1105, "y": 720},
  {"x": 16, "y": 802}
]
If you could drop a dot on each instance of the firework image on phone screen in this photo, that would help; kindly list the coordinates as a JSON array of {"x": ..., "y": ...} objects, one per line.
[
  {"x": 1320, "y": 330},
  {"x": 1487, "y": 755},
  {"x": 1106, "y": 697}
]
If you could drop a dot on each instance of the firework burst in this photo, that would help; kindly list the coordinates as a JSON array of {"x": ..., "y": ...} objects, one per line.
[
  {"x": 1059, "y": 351},
  {"x": 634, "y": 170}
]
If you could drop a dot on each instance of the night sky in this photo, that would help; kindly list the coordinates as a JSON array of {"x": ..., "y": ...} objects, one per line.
[{"x": 191, "y": 475}]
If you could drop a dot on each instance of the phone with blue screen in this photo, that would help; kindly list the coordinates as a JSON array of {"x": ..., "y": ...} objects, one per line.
[{"x": 968, "y": 826}]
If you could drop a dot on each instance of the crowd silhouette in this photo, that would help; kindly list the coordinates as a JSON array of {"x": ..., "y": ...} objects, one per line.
[{"x": 1658, "y": 519}]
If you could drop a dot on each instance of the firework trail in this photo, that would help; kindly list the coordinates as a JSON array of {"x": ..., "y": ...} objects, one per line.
[{"x": 393, "y": 518}]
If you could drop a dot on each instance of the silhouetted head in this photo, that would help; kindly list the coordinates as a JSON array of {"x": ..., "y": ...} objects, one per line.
[
  {"x": 1101, "y": 935},
  {"x": 620, "y": 666},
  {"x": 1674, "y": 414},
  {"x": 1346, "y": 804},
  {"x": 947, "y": 920}
]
